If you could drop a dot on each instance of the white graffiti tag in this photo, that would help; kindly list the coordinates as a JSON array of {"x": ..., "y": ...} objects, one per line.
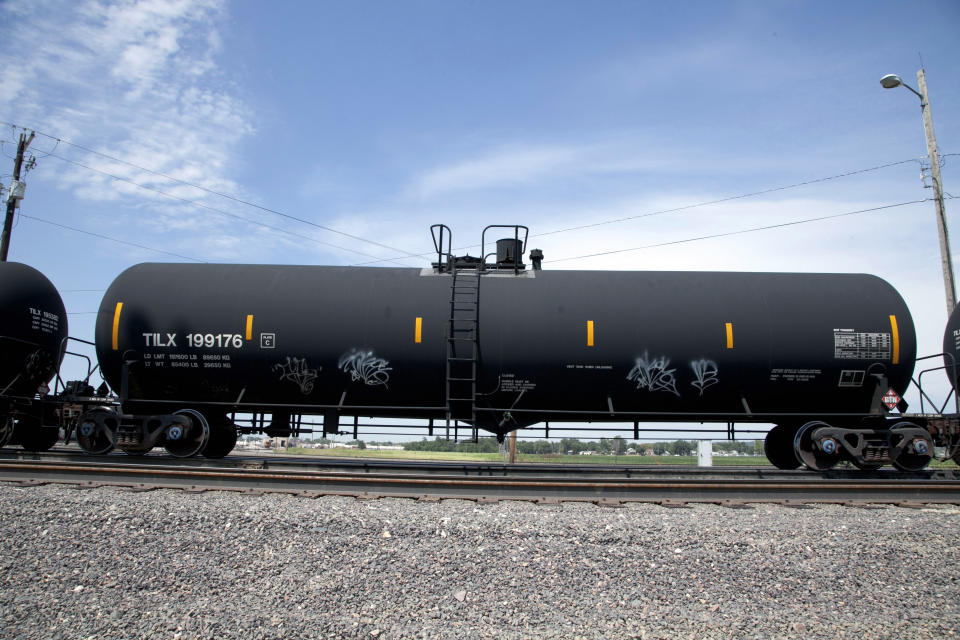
[
  {"x": 363, "y": 365},
  {"x": 295, "y": 370},
  {"x": 653, "y": 375},
  {"x": 706, "y": 373}
]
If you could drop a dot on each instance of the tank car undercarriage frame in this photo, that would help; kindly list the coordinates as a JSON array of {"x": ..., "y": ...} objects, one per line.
[{"x": 816, "y": 440}]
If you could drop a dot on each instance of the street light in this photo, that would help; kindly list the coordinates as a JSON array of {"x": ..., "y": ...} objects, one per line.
[{"x": 892, "y": 81}]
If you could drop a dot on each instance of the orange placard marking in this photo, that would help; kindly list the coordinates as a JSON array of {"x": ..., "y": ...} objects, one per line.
[
  {"x": 896, "y": 339},
  {"x": 116, "y": 326}
]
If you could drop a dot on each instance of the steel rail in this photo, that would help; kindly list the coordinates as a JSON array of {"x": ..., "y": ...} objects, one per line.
[
  {"x": 475, "y": 468},
  {"x": 816, "y": 489}
]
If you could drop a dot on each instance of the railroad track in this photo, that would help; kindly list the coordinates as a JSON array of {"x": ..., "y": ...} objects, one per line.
[{"x": 484, "y": 482}]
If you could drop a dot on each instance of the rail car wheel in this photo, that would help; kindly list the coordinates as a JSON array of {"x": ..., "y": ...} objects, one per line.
[
  {"x": 817, "y": 453},
  {"x": 778, "y": 447},
  {"x": 32, "y": 436},
  {"x": 183, "y": 442},
  {"x": 96, "y": 430},
  {"x": 6, "y": 429},
  {"x": 911, "y": 448},
  {"x": 223, "y": 437}
]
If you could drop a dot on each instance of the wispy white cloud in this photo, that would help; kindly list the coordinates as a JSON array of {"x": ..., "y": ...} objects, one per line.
[
  {"x": 137, "y": 80},
  {"x": 504, "y": 167},
  {"x": 531, "y": 164}
]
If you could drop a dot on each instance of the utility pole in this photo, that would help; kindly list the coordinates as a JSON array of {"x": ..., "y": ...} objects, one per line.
[
  {"x": 945, "y": 259},
  {"x": 15, "y": 195},
  {"x": 891, "y": 81}
]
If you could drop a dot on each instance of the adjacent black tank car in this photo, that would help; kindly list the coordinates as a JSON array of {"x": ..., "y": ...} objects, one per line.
[{"x": 33, "y": 332}]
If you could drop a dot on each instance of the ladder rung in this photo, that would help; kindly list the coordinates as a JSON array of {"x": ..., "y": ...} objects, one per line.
[
  {"x": 462, "y": 379},
  {"x": 461, "y": 339},
  {"x": 461, "y": 359},
  {"x": 461, "y": 399}
]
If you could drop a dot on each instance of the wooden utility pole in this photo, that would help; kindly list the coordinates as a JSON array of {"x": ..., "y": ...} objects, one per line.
[
  {"x": 15, "y": 195},
  {"x": 891, "y": 81},
  {"x": 945, "y": 259},
  {"x": 513, "y": 446}
]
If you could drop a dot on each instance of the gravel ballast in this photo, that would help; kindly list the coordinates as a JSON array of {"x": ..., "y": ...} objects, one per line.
[{"x": 110, "y": 563}]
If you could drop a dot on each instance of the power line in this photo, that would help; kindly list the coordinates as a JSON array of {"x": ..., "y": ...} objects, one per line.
[
  {"x": 743, "y": 231},
  {"x": 216, "y": 193},
  {"x": 412, "y": 255},
  {"x": 696, "y": 205},
  {"x": 219, "y": 211},
  {"x": 728, "y": 199},
  {"x": 103, "y": 237}
]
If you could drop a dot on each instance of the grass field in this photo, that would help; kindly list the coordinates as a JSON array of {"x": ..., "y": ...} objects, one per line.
[
  {"x": 745, "y": 461},
  {"x": 542, "y": 459}
]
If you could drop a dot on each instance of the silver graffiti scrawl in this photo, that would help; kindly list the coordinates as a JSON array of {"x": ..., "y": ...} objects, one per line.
[
  {"x": 295, "y": 370},
  {"x": 365, "y": 366},
  {"x": 653, "y": 375},
  {"x": 705, "y": 373}
]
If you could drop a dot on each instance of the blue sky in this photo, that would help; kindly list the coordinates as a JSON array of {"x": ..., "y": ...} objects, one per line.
[{"x": 378, "y": 119}]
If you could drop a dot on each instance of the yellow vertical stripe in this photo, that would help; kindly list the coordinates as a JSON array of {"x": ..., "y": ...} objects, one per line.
[
  {"x": 249, "y": 333},
  {"x": 729, "y": 335},
  {"x": 116, "y": 327},
  {"x": 896, "y": 339},
  {"x": 589, "y": 333},
  {"x": 418, "y": 330}
]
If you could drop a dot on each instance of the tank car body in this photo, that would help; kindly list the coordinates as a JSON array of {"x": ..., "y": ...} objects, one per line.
[
  {"x": 501, "y": 347},
  {"x": 33, "y": 332},
  {"x": 573, "y": 345}
]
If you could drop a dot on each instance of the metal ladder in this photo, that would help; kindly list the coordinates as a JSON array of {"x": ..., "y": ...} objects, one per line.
[{"x": 463, "y": 344}]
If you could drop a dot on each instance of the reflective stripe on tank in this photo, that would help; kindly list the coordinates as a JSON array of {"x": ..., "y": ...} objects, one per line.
[
  {"x": 418, "y": 330},
  {"x": 729, "y": 335},
  {"x": 895, "y": 334},
  {"x": 589, "y": 333},
  {"x": 249, "y": 333},
  {"x": 116, "y": 326}
]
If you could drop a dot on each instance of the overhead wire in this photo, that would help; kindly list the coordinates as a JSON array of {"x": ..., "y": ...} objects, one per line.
[
  {"x": 105, "y": 237},
  {"x": 214, "y": 192},
  {"x": 697, "y": 205},
  {"x": 727, "y": 199},
  {"x": 220, "y": 211},
  {"x": 742, "y": 231},
  {"x": 412, "y": 255}
]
